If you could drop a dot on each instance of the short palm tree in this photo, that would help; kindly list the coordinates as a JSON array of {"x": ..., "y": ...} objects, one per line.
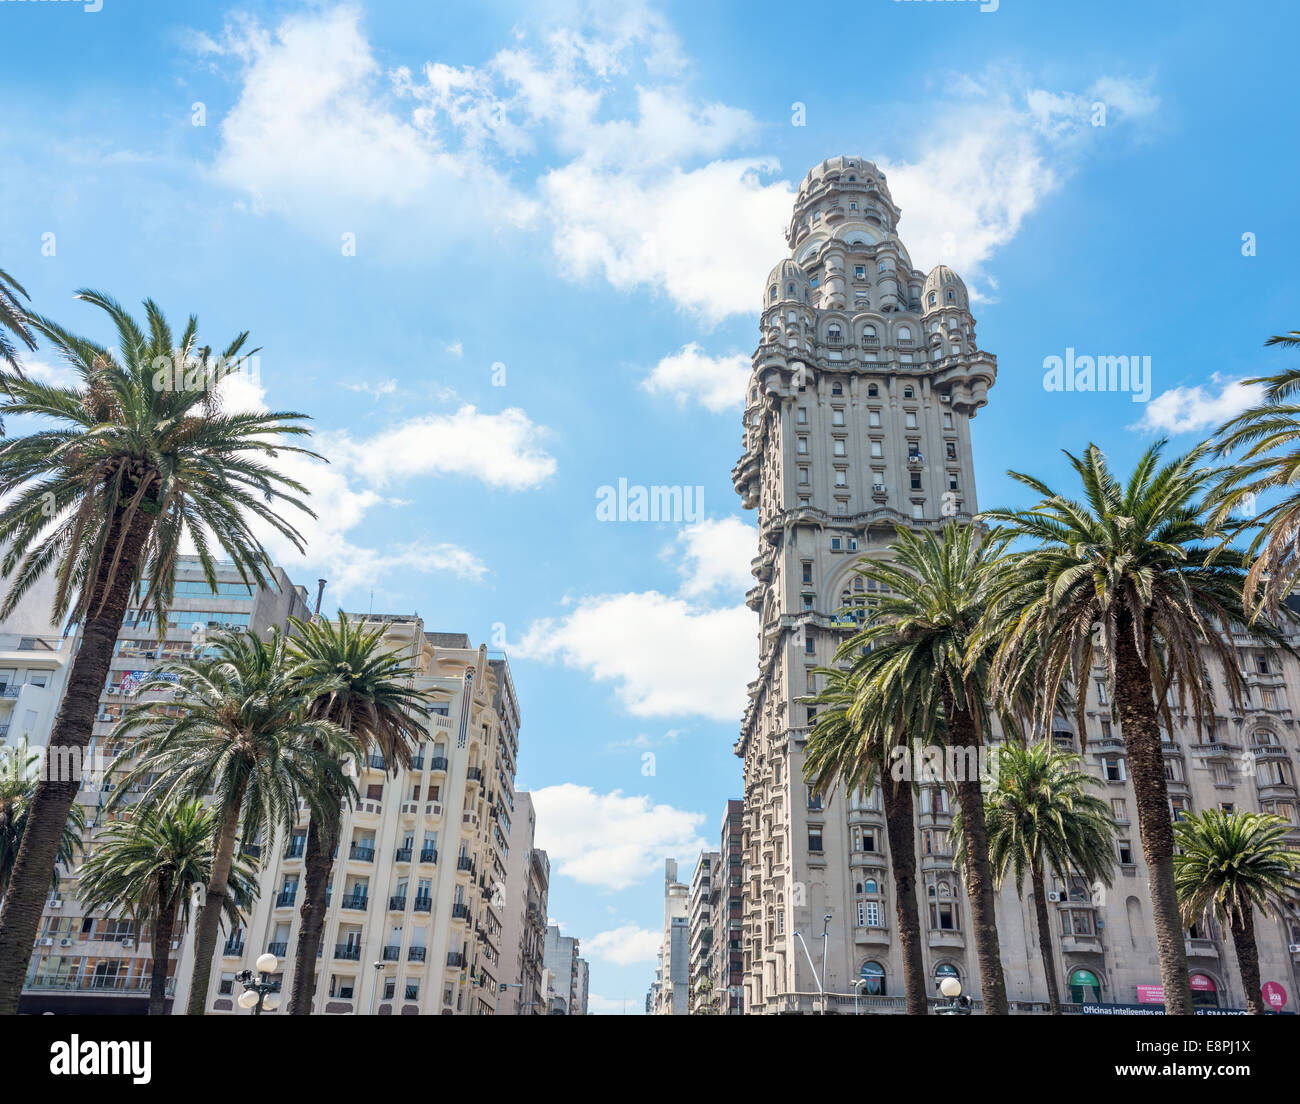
[
  {"x": 244, "y": 738},
  {"x": 1041, "y": 818},
  {"x": 1228, "y": 865},
  {"x": 17, "y": 786},
  {"x": 124, "y": 467},
  {"x": 354, "y": 681},
  {"x": 14, "y": 322},
  {"x": 1137, "y": 577},
  {"x": 1266, "y": 438},
  {"x": 851, "y": 744},
  {"x": 920, "y": 677},
  {"x": 148, "y": 866}
]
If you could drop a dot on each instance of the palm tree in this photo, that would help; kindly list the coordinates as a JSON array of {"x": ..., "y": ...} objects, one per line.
[
  {"x": 148, "y": 867},
  {"x": 851, "y": 743},
  {"x": 128, "y": 465},
  {"x": 243, "y": 737},
  {"x": 1136, "y": 576},
  {"x": 1229, "y": 864},
  {"x": 13, "y": 320},
  {"x": 1040, "y": 817},
  {"x": 920, "y": 677},
  {"x": 354, "y": 682},
  {"x": 1267, "y": 435},
  {"x": 17, "y": 785}
]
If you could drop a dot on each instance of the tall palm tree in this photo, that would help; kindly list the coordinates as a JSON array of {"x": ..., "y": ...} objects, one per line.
[
  {"x": 1229, "y": 864},
  {"x": 921, "y": 677},
  {"x": 1267, "y": 438},
  {"x": 366, "y": 689},
  {"x": 148, "y": 866},
  {"x": 17, "y": 786},
  {"x": 14, "y": 321},
  {"x": 243, "y": 737},
  {"x": 127, "y": 465},
  {"x": 851, "y": 744},
  {"x": 1136, "y": 576},
  {"x": 1040, "y": 817}
]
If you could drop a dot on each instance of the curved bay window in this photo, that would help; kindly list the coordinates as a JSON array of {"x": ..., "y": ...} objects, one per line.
[
  {"x": 869, "y": 907},
  {"x": 944, "y": 914}
]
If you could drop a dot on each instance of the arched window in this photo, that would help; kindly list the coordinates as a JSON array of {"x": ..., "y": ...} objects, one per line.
[
  {"x": 1264, "y": 737},
  {"x": 905, "y": 335},
  {"x": 837, "y": 389},
  {"x": 931, "y": 298},
  {"x": 772, "y": 294},
  {"x": 1084, "y": 987},
  {"x": 833, "y": 335},
  {"x": 872, "y": 391},
  {"x": 789, "y": 289},
  {"x": 1205, "y": 993},
  {"x": 870, "y": 886},
  {"x": 946, "y": 970},
  {"x": 909, "y": 393},
  {"x": 874, "y": 975},
  {"x": 952, "y": 296}
]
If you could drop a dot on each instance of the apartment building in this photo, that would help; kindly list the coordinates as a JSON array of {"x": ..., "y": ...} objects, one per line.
[
  {"x": 568, "y": 974},
  {"x": 857, "y": 419},
  {"x": 674, "y": 979},
  {"x": 523, "y": 938},
  {"x": 702, "y": 916},
  {"x": 90, "y": 963},
  {"x": 414, "y": 919},
  {"x": 728, "y": 955}
]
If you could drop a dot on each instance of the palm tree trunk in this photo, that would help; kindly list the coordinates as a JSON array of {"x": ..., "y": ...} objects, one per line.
[
  {"x": 1045, "y": 940},
  {"x": 318, "y": 866},
  {"x": 29, "y": 884},
  {"x": 1138, "y": 723},
  {"x": 209, "y": 920},
  {"x": 1243, "y": 939},
  {"x": 978, "y": 872},
  {"x": 163, "y": 925},
  {"x": 901, "y": 828}
]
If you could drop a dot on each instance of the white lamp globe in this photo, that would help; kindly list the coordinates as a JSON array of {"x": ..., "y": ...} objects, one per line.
[
  {"x": 247, "y": 999},
  {"x": 950, "y": 987},
  {"x": 267, "y": 963},
  {"x": 272, "y": 1002}
]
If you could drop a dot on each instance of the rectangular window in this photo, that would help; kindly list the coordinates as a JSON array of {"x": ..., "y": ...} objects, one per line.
[
  {"x": 1126, "y": 852},
  {"x": 815, "y": 840},
  {"x": 873, "y": 418},
  {"x": 947, "y": 421},
  {"x": 877, "y": 449},
  {"x": 910, "y": 419}
]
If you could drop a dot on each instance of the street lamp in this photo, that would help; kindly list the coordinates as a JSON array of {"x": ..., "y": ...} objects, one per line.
[
  {"x": 379, "y": 966},
  {"x": 856, "y": 986},
  {"x": 259, "y": 990},
  {"x": 505, "y": 985},
  {"x": 957, "y": 1005}
]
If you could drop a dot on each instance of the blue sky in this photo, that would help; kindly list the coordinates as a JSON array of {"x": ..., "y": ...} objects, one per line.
[{"x": 506, "y": 256}]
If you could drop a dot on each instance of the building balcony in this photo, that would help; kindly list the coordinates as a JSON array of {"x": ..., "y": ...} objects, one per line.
[
  {"x": 424, "y": 904},
  {"x": 297, "y": 848},
  {"x": 397, "y": 903},
  {"x": 360, "y": 852},
  {"x": 465, "y": 863},
  {"x": 402, "y": 855},
  {"x": 1081, "y": 943},
  {"x": 460, "y": 911},
  {"x": 871, "y": 936},
  {"x": 1202, "y": 948},
  {"x": 375, "y": 762},
  {"x": 354, "y": 901},
  {"x": 474, "y": 774},
  {"x": 415, "y": 954},
  {"x": 417, "y": 764},
  {"x": 456, "y": 959},
  {"x": 945, "y": 937},
  {"x": 438, "y": 763},
  {"x": 285, "y": 898},
  {"x": 392, "y": 953},
  {"x": 429, "y": 855},
  {"x": 277, "y": 949},
  {"x": 234, "y": 948},
  {"x": 348, "y": 952}
]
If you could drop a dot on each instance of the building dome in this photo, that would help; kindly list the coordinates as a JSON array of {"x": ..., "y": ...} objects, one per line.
[
  {"x": 787, "y": 283},
  {"x": 943, "y": 288}
]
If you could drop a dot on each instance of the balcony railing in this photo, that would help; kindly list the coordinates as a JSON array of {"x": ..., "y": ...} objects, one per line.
[
  {"x": 392, "y": 953},
  {"x": 417, "y": 764},
  {"x": 403, "y": 855},
  {"x": 465, "y": 862},
  {"x": 397, "y": 903},
  {"x": 460, "y": 911},
  {"x": 234, "y": 948},
  {"x": 277, "y": 949},
  {"x": 354, "y": 901},
  {"x": 351, "y": 952},
  {"x": 96, "y": 983},
  {"x": 456, "y": 958},
  {"x": 429, "y": 855},
  {"x": 423, "y": 904},
  {"x": 474, "y": 774},
  {"x": 296, "y": 848},
  {"x": 285, "y": 898},
  {"x": 438, "y": 763},
  {"x": 376, "y": 761},
  {"x": 362, "y": 852},
  {"x": 415, "y": 954}
]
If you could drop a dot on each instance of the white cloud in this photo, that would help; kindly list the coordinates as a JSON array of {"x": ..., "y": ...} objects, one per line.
[
  {"x": 1184, "y": 409},
  {"x": 455, "y": 348},
  {"x": 611, "y": 840},
  {"x": 665, "y": 656},
  {"x": 503, "y": 450},
  {"x": 59, "y": 374},
  {"x": 715, "y": 555},
  {"x": 717, "y": 383},
  {"x": 376, "y": 390},
  {"x": 614, "y": 1006},
  {"x": 624, "y": 946}
]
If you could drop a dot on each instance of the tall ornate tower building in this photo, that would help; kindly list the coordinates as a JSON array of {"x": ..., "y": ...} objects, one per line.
[{"x": 857, "y": 420}]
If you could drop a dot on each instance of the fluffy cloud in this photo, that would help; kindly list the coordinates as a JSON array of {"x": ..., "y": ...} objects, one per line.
[
  {"x": 715, "y": 556},
  {"x": 717, "y": 383},
  {"x": 611, "y": 840},
  {"x": 665, "y": 656},
  {"x": 1184, "y": 409},
  {"x": 624, "y": 946}
]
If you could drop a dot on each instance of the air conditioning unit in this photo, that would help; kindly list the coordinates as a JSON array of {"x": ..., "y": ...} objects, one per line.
[
  {"x": 47, "y": 942},
  {"x": 1052, "y": 895},
  {"x": 1294, "y": 948},
  {"x": 128, "y": 943},
  {"x": 106, "y": 716},
  {"x": 55, "y": 904},
  {"x": 65, "y": 942}
]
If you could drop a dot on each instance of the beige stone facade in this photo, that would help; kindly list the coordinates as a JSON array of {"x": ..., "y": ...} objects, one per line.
[{"x": 858, "y": 413}]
